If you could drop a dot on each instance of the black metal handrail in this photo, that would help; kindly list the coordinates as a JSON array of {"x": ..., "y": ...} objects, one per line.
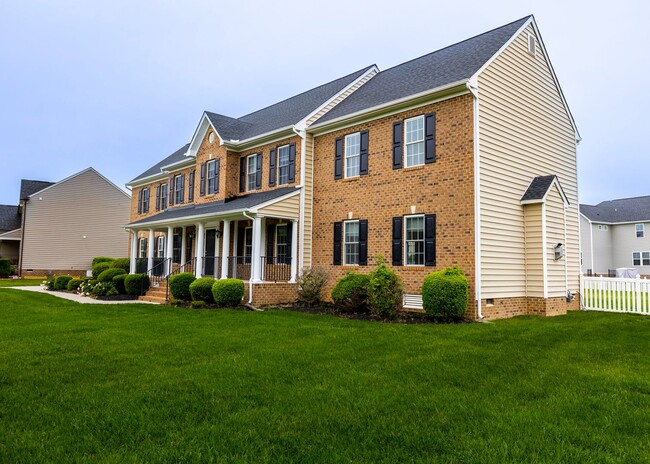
[
  {"x": 158, "y": 272},
  {"x": 276, "y": 268},
  {"x": 239, "y": 267}
]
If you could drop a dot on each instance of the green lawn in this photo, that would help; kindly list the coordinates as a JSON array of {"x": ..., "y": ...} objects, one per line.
[
  {"x": 144, "y": 383},
  {"x": 20, "y": 282}
]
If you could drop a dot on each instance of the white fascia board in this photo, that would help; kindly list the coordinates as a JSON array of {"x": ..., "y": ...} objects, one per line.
[
  {"x": 146, "y": 180},
  {"x": 199, "y": 133},
  {"x": 555, "y": 182},
  {"x": 177, "y": 165},
  {"x": 275, "y": 200},
  {"x": 78, "y": 174},
  {"x": 267, "y": 137},
  {"x": 186, "y": 219}
]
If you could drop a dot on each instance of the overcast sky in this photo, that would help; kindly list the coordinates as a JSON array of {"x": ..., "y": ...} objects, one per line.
[{"x": 119, "y": 85}]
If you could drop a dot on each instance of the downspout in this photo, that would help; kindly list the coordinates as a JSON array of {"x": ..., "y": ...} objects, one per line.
[
  {"x": 472, "y": 86},
  {"x": 22, "y": 238},
  {"x": 250, "y": 278},
  {"x": 303, "y": 171}
]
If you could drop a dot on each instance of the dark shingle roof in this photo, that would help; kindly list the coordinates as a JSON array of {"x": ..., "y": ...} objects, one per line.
[
  {"x": 30, "y": 187},
  {"x": 217, "y": 207},
  {"x": 178, "y": 155},
  {"x": 622, "y": 210},
  {"x": 9, "y": 218},
  {"x": 538, "y": 188},
  {"x": 448, "y": 65}
]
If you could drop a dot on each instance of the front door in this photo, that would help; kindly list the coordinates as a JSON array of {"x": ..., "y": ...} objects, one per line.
[{"x": 210, "y": 236}]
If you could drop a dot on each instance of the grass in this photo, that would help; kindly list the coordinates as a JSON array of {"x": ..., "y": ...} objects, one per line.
[
  {"x": 137, "y": 383},
  {"x": 617, "y": 300},
  {"x": 20, "y": 282}
]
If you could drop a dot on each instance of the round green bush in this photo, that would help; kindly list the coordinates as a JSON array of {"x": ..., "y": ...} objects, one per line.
[
  {"x": 118, "y": 281},
  {"x": 201, "y": 289},
  {"x": 351, "y": 293},
  {"x": 74, "y": 284},
  {"x": 61, "y": 282},
  {"x": 136, "y": 284},
  {"x": 99, "y": 268},
  {"x": 101, "y": 259},
  {"x": 5, "y": 268},
  {"x": 385, "y": 291},
  {"x": 444, "y": 294},
  {"x": 228, "y": 292},
  {"x": 121, "y": 263},
  {"x": 179, "y": 285},
  {"x": 108, "y": 274}
]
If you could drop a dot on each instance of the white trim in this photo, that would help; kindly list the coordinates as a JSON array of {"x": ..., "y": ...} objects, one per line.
[
  {"x": 405, "y": 154},
  {"x": 350, "y": 221},
  {"x": 544, "y": 254},
  {"x": 424, "y": 228},
  {"x": 275, "y": 200},
  {"x": 277, "y": 163},
  {"x": 477, "y": 203},
  {"x": 642, "y": 230},
  {"x": 345, "y": 155},
  {"x": 301, "y": 209},
  {"x": 56, "y": 184},
  {"x": 169, "y": 168},
  {"x": 199, "y": 133}
]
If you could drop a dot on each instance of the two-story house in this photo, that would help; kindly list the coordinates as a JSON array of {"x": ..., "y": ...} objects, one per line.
[
  {"x": 615, "y": 234},
  {"x": 463, "y": 156}
]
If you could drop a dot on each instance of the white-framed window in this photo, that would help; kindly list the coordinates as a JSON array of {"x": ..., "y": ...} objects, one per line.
[
  {"x": 283, "y": 164},
  {"x": 190, "y": 187},
  {"x": 248, "y": 245},
  {"x": 532, "y": 44},
  {"x": 414, "y": 137},
  {"x": 160, "y": 246},
  {"x": 212, "y": 177},
  {"x": 640, "y": 230},
  {"x": 414, "y": 240},
  {"x": 143, "y": 201},
  {"x": 178, "y": 189},
  {"x": 282, "y": 251},
  {"x": 352, "y": 154},
  {"x": 163, "y": 196},
  {"x": 636, "y": 258},
  {"x": 645, "y": 258},
  {"x": 251, "y": 173},
  {"x": 142, "y": 247},
  {"x": 351, "y": 243}
]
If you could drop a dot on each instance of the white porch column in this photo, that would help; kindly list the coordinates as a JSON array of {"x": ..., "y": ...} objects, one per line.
[
  {"x": 134, "y": 251},
  {"x": 294, "y": 251},
  {"x": 225, "y": 248},
  {"x": 170, "y": 248},
  {"x": 263, "y": 250},
  {"x": 256, "y": 268},
  {"x": 236, "y": 240},
  {"x": 183, "y": 246},
  {"x": 150, "y": 246},
  {"x": 200, "y": 248}
]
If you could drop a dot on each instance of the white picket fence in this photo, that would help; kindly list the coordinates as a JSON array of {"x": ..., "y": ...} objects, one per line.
[{"x": 615, "y": 294}]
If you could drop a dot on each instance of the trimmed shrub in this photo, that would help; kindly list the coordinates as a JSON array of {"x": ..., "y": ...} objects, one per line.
[
  {"x": 228, "y": 292},
  {"x": 13, "y": 271},
  {"x": 118, "y": 281},
  {"x": 179, "y": 285},
  {"x": 86, "y": 287},
  {"x": 108, "y": 274},
  {"x": 61, "y": 282},
  {"x": 444, "y": 293},
  {"x": 49, "y": 283},
  {"x": 351, "y": 292},
  {"x": 121, "y": 263},
  {"x": 5, "y": 268},
  {"x": 197, "y": 304},
  {"x": 136, "y": 284},
  {"x": 201, "y": 289},
  {"x": 385, "y": 291},
  {"x": 310, "y": 285},
  {"x": 74, "y": 284},
  {"x": 99, "y": 268},
  {"x": 103, "y": 289},
  {"x": 101, "y": 259}
]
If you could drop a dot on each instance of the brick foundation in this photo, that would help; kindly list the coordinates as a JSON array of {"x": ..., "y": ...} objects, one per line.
[
  {"x": 503, "y": 308},
  {"x": 269, "y": 293},
  {"x": 53, "y": 272}
]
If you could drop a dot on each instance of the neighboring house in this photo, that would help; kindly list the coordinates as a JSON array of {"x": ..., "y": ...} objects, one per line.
[
  {"x": 464, "y": 156},
  {"x": 9, "y": 233},
  {"x": 615, "y": 234},
  {"x": 63, "y": 225}
]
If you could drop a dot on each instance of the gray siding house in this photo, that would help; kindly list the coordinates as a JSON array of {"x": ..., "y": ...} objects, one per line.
[{"x": 615, "y": 234}]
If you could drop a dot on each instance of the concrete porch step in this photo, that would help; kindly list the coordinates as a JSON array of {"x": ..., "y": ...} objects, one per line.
[{"x": 153, "y": 299}]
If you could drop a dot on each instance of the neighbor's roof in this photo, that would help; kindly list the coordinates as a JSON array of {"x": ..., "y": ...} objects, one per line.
[
  {"x": 446, "y": 66},
  {"x": 217, "y": 207},
  {"x": 622, "y": 210},
  {"x": 30, "y": 187},
  {"x": 9, "y": 218},
  {"x": 177, "y": 156}
]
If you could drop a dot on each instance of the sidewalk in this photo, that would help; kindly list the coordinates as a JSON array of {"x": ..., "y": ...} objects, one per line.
[{"x": 77, "y": 298}]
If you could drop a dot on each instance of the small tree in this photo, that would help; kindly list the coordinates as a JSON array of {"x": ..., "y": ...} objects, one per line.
[
  {"x": 310, "y": 285},
  {"x": 444, "y": 293},
  {"x": 385, "y": 291}
]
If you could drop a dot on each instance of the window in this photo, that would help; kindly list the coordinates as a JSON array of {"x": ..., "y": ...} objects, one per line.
[
  {"x": 283, "y": 165},
  {"x": 646, "y": 258},
  {"x": 142, "y": 247},
  {"x": 532, "y": 45},
  {"x": 352, "y": 154},
  {"x": 414, "y": 243},
  {"x": 251, "y": 176},
  {"x": 179, "y": 189},
  {"x": 177, "y": 245},
  {"x": 414, "y": 135},
  {"x": 636, "y": 258},
  {"x": 640, "y": 230},
  {"x": 281, "y": 244},
  {"x": 351, "y": 243},
  {"x": 248, "y": 245},
  {"x": 160, "y": 246},
  {"x": 213, "y": 179},
  {"x": 145, "y": 200},
  {"x": 602, "y": 227},
  {"x": 163, "y": 196},
  {"x": 190, "y": 191}
]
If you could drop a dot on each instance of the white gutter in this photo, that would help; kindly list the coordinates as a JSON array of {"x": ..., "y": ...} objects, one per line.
[
  {"x": 303, "y": 170},
  {"x": 250, "y": 278}
]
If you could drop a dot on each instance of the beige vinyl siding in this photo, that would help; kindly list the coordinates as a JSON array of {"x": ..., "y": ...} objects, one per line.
[
  {"x": 11, "y": 235},
  {"x": 287, "y": 208},
  {"x": 585, "y": 244},
  {"x": 524, "y": 132},
  {"x": 308, "y": 185},
  {"x": 59, "y": 217},
  {"x": 556, "y": 280},
  {"x": 534, "y": 250}
]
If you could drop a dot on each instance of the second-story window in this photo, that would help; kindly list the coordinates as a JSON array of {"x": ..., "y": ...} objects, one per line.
[
  {"x": 283, "y": 165},
  {"x": 640, "y": 230},
  {"x": 251, "y": 172},
  {"x": 179, "y": 189},
  {"x": 213, "y": 177},
  {"x": 190, "y": 187},
  {"x": 414, "y": 137},
  {"x": 143, "y": 201},
  {"x": 352, "y": 154}
]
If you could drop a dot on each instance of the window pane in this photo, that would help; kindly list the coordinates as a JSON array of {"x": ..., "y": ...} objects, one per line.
[
  {"x": 281, "y": 244},
  {"x": 639, "y": 230},
  {"x": 351, "y": 242},
  {"x": 283, "y": 165},
  {"x": 415, "y": 129},
  {"x": 352, "y": 152},
  {"x": 415, "y": 240},
  {"x": 636, "y": 258},
  {"x": 415, "y": 154},
  {"x": 252, "y": 172},
  {"x": 646, "y": 258}
]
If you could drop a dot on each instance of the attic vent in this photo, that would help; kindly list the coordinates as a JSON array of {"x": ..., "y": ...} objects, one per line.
[{"x": 532, "y": 44}]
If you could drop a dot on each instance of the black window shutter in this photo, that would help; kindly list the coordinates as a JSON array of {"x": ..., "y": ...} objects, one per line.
[
  {"x": 241, "y": 230},
  {"x": 172, "y": 191},
  {"x": 397, "y": 145},
  {"x": 289, "y": 239},
  {"x": 258, "y": 174},
  {"x": 429, "y": 239},
  {"x": 397, "y": 241},
  {"x": 146, "y": 249},
  {"x": 292, "y": 162},
  {"x": 242, "y": 174},
  {"x": 338, "y": 238},
  {"x": 140, "y": 201},
  {"x": 272, "y": 167},
  {"x": 145, "y": 207},
  {"x": 270, "y": 243},
  {"x": 430, "y": 138},
  {"x": 158, "y": 197},
  {"x": 202, "y": 185},
  {"x": 190, "y": 190},
  {"x": 363, "y": 242},
  {"x": 338, "y": 158},
  {"x": 182, "y": 180},
  {"x": 363, "y": 158},
  {"x": 217, "y": 172}
]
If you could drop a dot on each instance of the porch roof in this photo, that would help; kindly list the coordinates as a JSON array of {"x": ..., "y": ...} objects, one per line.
[{"x": 217, "y": 208}]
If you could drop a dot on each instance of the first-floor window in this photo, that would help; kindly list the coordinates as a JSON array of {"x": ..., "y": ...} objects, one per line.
[
  {"x": 351, "y": 243},
  {"x": 414, "y": 243},
  {"x": 160, "y": 248},
  {"x": 177, "y": 244},
  {"x": 645, "y": 258},
  {"x": 142, "y": 248},
  {"x": 281, "y": 244},
  {"x": 636, "y": 258},
  {"x": 251, "y": 173}
]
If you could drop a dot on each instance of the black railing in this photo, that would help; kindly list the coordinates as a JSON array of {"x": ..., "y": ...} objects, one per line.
[
  {"x": 159, "y": 271},
  {"x": 239, "y": 267},
  {"x": 212, "y": 266},
  {"x": 276, "y": 268}
]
